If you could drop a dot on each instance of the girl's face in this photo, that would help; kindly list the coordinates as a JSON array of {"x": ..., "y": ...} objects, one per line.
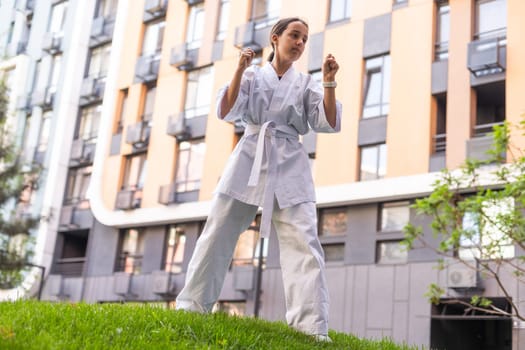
[{"x": 289, "y": 46}]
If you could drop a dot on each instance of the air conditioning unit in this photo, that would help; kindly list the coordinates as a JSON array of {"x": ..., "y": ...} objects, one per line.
[
  {"x": 134, "y": 133},
  {"x": 76, "y": 149},
  {"x": 88, "y": 153},
  {"x": 459, "y": 275},
  {"x": 162, "y": 282},
  {"x": 121, "y": 283},
  {"x": 167, "y": 194},
  {"x": 155, "y": 7},
  {"x": 97, "y": 27},
  {"x": 177, "y": 127},
  {"x": 243, "y": 277},
  {"x": 51, "y": 43},
  {"x": 66, "y": 215},
  {"x": 49, "y": 98},
  {"x": 180, "y": 58},
  {"x": 88, "y": 87}
]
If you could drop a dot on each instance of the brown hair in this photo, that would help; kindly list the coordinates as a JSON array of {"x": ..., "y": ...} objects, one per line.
[{"x": 279, "y": 27}]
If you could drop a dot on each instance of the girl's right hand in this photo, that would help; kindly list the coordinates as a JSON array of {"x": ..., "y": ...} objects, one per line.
[{"x": 245, "y": 58}]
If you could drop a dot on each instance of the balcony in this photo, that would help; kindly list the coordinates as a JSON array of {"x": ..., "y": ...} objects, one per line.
[
  {"x": 101, "y": 31},
  {"x": 487, "y": 56},
  {"x": 179, "y": 192},
  {"x": 52, "y": 43},
  {"x": 194, "y": 2},
  {"x": 154, "y": 9},
  {"x": 138, "y": 134},
  {"x": 43, "y": 98},
  {"x": 147, "y": 68},
  {"x": 478, "y": 145},
  {"x": 182, "y": 58},
  {"x": 126, "y": 200},
  {"x": 92, "y": 90}
]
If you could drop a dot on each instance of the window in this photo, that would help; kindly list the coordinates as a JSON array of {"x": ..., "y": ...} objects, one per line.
[
  {"x": 334, "y": 222},
  {"x": 106, "y": 8},
  {"x": 135, "y": 172},
  {"x": 248, "y": 246},
  {"x": 99, "y": 61},
  {"x": 57, "y": 18},
  {"x": 190, "y": 164},
  {"x": 72, "y": 247},
  {"x": 377, "y": 87},
  {"x": 486, "y": 233},
  {"x": 394, "y": 216},
  {"x": 224, "y": 15},
  {"x": 195, "y": 30},
  {"x": 333, "y": 227},
  {"x": 373, "y": 162},
  {"x": 149, "y": 101},
  {"x": 198, "y": 92},
  {"x": 265, "y": 12},
  {"x": 391, "y": 252},
  {"x": 37, "y": 77},
  {"x": 153, "y": 36},
  {"x": 340, "y": 10},
  {"x": 176, "y": 241},
  {"x": 121, "y": 114},
  {"x": 45, "y": 127},
  {"x": 10, "y": 32},
  {"x": 490, "y": 107},
  {"x": 131, "y": 251},
  {"x": 491, "y": 19},
  {"x": 442, "y": 31},
  {"x": 55, "y": 73},
  {"x": 440, "y": 134},
  {"x": 77, "y": 185},
  {"x": 89, "y": 122}
]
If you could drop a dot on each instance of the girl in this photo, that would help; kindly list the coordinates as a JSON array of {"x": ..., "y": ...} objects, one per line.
[{"x": 269, "y": 168}]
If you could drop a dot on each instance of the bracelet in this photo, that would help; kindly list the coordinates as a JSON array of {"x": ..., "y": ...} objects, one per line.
[{"x": 329, "y": 84}]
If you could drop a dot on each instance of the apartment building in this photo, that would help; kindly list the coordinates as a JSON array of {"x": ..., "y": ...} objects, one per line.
[{"x": 116, "y": 100}]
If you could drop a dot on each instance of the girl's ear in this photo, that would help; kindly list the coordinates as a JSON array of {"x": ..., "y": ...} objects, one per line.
[{"x": 274, "y": 38}]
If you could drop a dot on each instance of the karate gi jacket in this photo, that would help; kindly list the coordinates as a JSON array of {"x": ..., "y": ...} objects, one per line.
[{"x": 269, "y": 160}]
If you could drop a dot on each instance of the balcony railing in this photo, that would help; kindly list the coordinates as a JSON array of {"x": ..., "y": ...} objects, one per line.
[
  {"x": 69, "y": 266},
  {"x": 484, "y": 129},
  {"x": 440, "y": 143}
]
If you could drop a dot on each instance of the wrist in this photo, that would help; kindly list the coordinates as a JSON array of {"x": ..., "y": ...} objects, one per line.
[{"x": 329, "y": 84}]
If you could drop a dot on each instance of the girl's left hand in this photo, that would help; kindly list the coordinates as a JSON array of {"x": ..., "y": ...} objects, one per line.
[{"x": 330, "y": 67}]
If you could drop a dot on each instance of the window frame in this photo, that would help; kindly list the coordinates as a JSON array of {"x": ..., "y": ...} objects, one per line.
[
  {"x": 347, "y": 11},
  {"x": 135, "y": 258},
  {"x": 379, "y": 156},
  {"x": 383, "y": 70},
  {"x": 185, "y": 183}
]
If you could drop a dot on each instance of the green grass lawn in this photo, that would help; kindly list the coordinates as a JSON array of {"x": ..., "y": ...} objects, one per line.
[{"x": 43, "y": 325}]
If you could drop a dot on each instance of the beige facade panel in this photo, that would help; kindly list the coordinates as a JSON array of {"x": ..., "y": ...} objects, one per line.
[
  {"x": 408, "y": 123},
  {"x": 515, "y": 89},
  {"x": 460, "y": 113}
]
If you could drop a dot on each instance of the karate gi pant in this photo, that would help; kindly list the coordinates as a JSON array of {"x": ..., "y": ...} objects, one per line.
[{"x": 301, "y": 259}]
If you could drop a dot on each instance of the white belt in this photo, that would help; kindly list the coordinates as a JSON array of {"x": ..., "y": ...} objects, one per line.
[{"x": 266, "y": 143}]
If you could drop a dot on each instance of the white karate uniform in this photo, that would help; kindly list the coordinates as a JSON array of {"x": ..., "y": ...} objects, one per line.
[{"x": 268, "y": 168}]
